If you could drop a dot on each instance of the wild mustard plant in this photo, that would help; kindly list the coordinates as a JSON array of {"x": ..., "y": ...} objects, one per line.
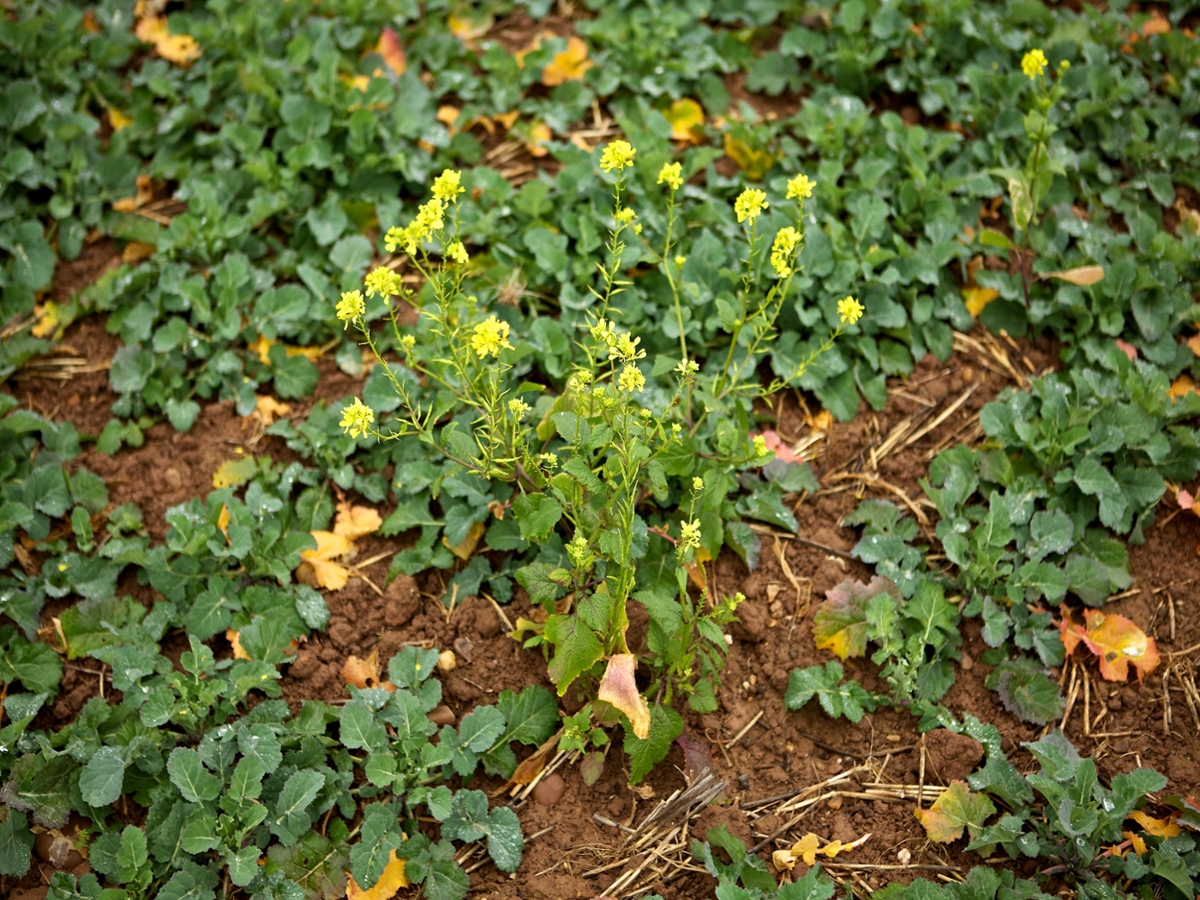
[{"x": 596, "y": 460}]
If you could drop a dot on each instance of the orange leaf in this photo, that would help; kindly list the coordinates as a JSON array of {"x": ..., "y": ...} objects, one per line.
[
  {"x": 1181, "y": 387},
  {"x": 234, "y": 639},
  {"x": 976, "y": 298},
  {"x": 687, "y": 118},
  {"x": 1163, "y": 828},
  {"x": 392, "y": 879},
  {"x": 754, "y": 163},
  {"x": 362, "y": 673},
  {"x": 537, "y": 134},
  {"x": 118, "y": 119},
  {"x": 223, "y": 521},
  {"x": 1139, "y": 844},
  {"x": 1084, "y": 276},
  {"x": 317, "y": 567},
  {"x": 391, "y": 51},
  {"x": 267, "y": 409},
  {"x": 180, "y": 49},
  {"x": 448, "y": 115},
  {"x": 1155, "y": 25},
  {"x": 145, "y": 193},
  {"x": 569, "y": 65},
  {"x": 136, "y": 251},
  {"x": 1127, "y": 348},
  {"x": 1115, "y": 640},
  {"x": 619, "y": 688},
  {"x": 353, "y": 522},
  {"x": 1194, "y": 344},
  {"x": 821, "y": 421}
]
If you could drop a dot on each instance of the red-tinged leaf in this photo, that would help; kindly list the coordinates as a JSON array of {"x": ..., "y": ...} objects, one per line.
[
  {"x": 957, "y": 808},
  {"x": 1127, "y": 348},
  {"x": 619, "y": 688},
  {"x": 840, "y": 625},
  {"x": 393, "y": 54},
  {"x": 1186, "y": 500},
  {"x": 1193, "y": 344},
  {"x": 780, "y": 449},
  {"x": 591, "y": 767},
  {"x": 697, "y": 755},
  {"x": 1115, "y": 640}
]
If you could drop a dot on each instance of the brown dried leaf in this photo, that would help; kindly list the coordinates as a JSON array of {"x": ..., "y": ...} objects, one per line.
[
  {"x": 619, "y": 688},
  {"x": 353, "y": 522}
]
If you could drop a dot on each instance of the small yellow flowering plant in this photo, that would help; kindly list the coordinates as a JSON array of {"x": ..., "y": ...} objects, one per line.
[{"x": 586, "y": 469}]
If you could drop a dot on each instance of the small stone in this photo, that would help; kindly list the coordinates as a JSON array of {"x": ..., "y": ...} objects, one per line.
[
  {"x": 834, "y": 803},
  {"x": 464, "y": 647},
  {"x": 174, "y": 479},
  {"x": 967, "y": 663},
  {"x": 442, "y": 715},
  {"x": 447, "y": 661},
  {"x": 549, "y": 790},
  {"x": 894, "y": 738},
  {"x": 904, "y": 855},
  {"x": 1121, "y": 745}
]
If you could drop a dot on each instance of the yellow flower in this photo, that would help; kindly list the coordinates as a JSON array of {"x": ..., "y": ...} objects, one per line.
[
  {"x": 626, "y": 348},
  {"x": 783, "y": 250},
  {"x": 447, "y": 186},
  {"x": 760, "y": 446},
  {"x": 382, "y": 281},
  {"x": 394, "y": 238},
  {"x": 357, "y": 419},
  {"x": 689, "y": 536},
  {"x": 1034, "y": 63},
  {"x": 750, "y": 204},
  {"x": 850, "y": 310},
  {"x": 458, "y": 253},
  {"x": 679, "y": 261},
  {"x": 617, "y": 155},
  {"x": 550, "y": 460},
  {"x": 697, "y": 484},
  {"x": 408, "y": 342},
  {"x": 518, "y": 408},
  {"x": 351, "y": 306},
  {"x": 490, "y": 337},
  {"x": 800, "y": 187},
  {"x": 687, "y": 368},
  {"x": 631, "y": 380},
  {"x": 676, "y": 428},
  {"x": 625, "y": 215},
  {"x": 671, "y": 174}
]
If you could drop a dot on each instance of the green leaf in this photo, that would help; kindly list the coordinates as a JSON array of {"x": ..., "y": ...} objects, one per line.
[
  {"x": 131, "y": 855},
  {"x": 1028, "y": 691},
  {"x": 16, "y": 844},
  {"x": 33, "y": 258},
  {"x": 957, "y": 808},
  {"x": 187, "y": 773},
  {"x": 102, "y": 778},
  {"x": 294, "y": 376},
  {"x": 840, "y": 624},
  {"x": 359, "y": 730},
  {"x": 665, "y": 726},
  {"x": 291, "y": 819},
  {"x": 537, "y": 514},
  {"x": 480, "y": 728},
  {"x": 40, "y": 786},
  {"x": 537, "y": 580},
  {"x": 576, "y": 649},
  {"x": 837, "y": 699},
  {"x": 471, "y": 820},
  {"x": 46, "y": 490}
]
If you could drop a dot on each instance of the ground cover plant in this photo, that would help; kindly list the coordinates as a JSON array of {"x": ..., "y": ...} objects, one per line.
[{"x": 511, "y": 307}]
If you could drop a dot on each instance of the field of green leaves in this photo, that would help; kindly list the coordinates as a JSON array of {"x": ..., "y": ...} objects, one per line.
[{"x": 514, "y": 294}]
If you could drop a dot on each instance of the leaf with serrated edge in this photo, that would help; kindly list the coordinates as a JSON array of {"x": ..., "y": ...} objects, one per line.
[
  {"x": 840, "y": 625},
  {"x": 1115, "y": 640},
  {"x": 957, "y": 808}
]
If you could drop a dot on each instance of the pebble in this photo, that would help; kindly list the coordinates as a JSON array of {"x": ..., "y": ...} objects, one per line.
[
  {"x": 442, "y": 715},
  {"x": 835, "y": 803},
  {"x": 967, "y": 663},
  {"x": 447, "y": 661},
  {"x": 549, "y": 790},
  {"x": 174, "y": 479}
]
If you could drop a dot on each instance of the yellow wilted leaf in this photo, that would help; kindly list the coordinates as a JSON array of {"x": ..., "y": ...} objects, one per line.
[
  {"x": 392, "y": 879},
  {"x": 223, "y": 520},
  {"x": 47, "y": 319},
  {"x": 136, "y": 251},
  {"x": 89, "y": 23},
  {"x": 470, "y": 25},
  {"x": 525, "y": 626},
  {"x": 535, "y": 135},
  {"x": 393, "y": 54},
  {"x": 464, "y": 550},
  {"x": 821, "y": 421},
  {"x": 568, "y": 65},
  {"x": 1155, "y": 25},
  {"x": 267, "y": 409},
  {"x": 754, "y": 163},
  {"x": 318, "y": 567},
  {"x": 448, "y": 115},
  {"x": 976, "y": 298},
  {"x": 233, "y": 472},
  {"x": 1139, "y": 844},
  {"x": 357, "y": 82},
  {"x": 1163, "y": 828},
  {"x": 180, "y": 49},
  {"x": 262, "y": 349},
  {"x": 353, "y": 522},
  {"x": 686, "y": 117},
  {"x": 362, "y": 673},
  {"x": 1181, "y": 387},
  {"x": 1194, "y": 344},
  {"x": 1084, "y": 276},
  {"x": 619, "y": 688},
  {"x": 118, "y": 119},
  {"x": 806, "y": 849},
  {"x": 145, "y": 193},
  {"x": 234, "y": 639}
]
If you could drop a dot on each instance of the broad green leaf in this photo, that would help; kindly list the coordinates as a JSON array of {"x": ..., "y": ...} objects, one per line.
[
  {"x": 290, "y": 819},
  {"x": 837, "y": 699},
  {"x": 101, "y": 780},
  {"x": 665, "y": 726},
  {"x": 576, "y": 649},
  {"x": 187, "y": 773},
  {"x": 537, "y": 515},
  {"x": 16, "y": 844},
  {"x": 40, "y": 786}
]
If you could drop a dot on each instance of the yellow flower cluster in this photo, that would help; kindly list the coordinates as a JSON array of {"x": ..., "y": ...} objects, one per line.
[
  {"x": 625, "y": 215},
  {"x": 689, "y": 536},
  {"x": 351, "y": 306},
  {"x": 430, "y": 220},
  {"x": 518, "y": 408},
  {"x": 631, "y": 380},
  {"x": 850, "y": 310},
  {"x": 671, "y": 174},
  {"x": 382, "y": 280},
  {"x": 697, "y": 484},
  {"x": 458, "y": 253},
  {"x": 1034, "y": 63},
  {"x": 800, "y": 187},
  {"x": 622, "y": 347},
  {"x": 357, "y": 419},
  {"x": 617, "y": 155},
  {"x": 488, "y": 338},
  {"x": 760, "y": 446},
  {"x": 750, "y": 204},
  {"x": 783, "y": 251},
  {"x": 447, "y": 186}
]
